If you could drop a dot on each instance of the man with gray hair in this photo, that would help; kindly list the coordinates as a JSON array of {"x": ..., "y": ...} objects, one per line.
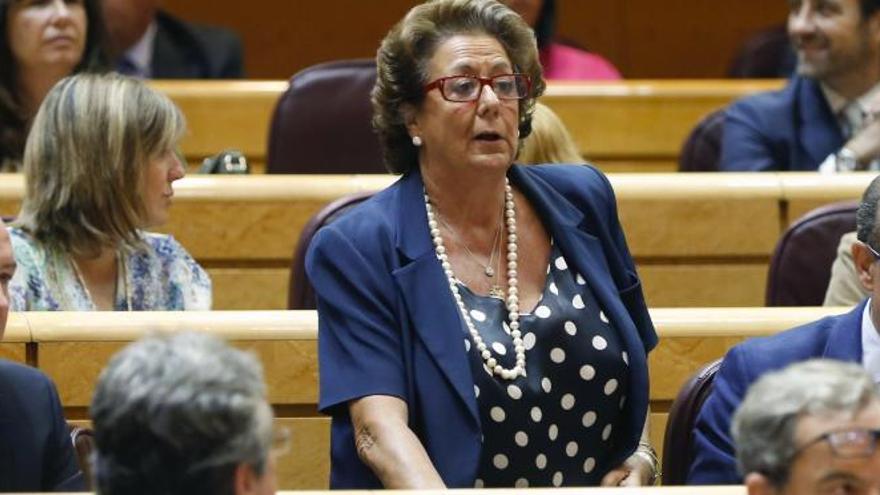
[
  {"x": 183, "y": 414},
  {"x": 810, "y": 428}
]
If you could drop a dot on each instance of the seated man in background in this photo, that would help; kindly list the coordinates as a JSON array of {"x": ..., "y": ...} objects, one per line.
[
  {"x": 183, "y": 414},
  {"x": 825, "y": 115},
  {"x": 150, "y": 43},
  {"x": 810, "y": 428},
  {"x": 36, "y": 453},
  {"x": 849, "y": 337}
]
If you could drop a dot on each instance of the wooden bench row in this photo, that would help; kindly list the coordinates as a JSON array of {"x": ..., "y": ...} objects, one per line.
[
  {"x": 699, "y": 239},
  {"x": 627, "y": 126},
  {"x": 72, "y": 348}
]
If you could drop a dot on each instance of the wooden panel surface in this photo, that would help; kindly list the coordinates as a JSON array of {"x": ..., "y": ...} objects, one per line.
[
  {"x": 704, "y": 284},
  {"x": 643, "y": 38},
  {"x": 250, "y": 288},
  {"x": 629, "y": 126}
]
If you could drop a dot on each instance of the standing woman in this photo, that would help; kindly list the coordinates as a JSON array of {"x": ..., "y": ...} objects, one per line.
[
  {"x": 99, "y": 165},
  {"x": 480, "y": 323},
  {"x": 40, "y": 43}
]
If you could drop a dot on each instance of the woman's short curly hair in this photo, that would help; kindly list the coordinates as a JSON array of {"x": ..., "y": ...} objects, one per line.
[{"x": 403, "y": 59}]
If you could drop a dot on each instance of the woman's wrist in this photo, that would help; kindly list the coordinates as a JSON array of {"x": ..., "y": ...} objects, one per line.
[{"x": 646, "y": 452}]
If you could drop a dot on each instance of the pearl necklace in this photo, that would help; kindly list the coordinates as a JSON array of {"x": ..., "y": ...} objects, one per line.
[{"x": 512, "y": 292}]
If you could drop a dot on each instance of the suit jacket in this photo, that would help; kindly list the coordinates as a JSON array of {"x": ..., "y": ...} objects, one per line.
[
  {"x": 834, "y": 337},
  {"x": 36, "y": 453},
  {"x": 790, "y": 129},
  {"x": 388, "y": 324},
  {"x": 188, "y": 51}
]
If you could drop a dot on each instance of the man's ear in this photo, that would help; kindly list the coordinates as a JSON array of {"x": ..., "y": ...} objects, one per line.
[
  {"x": 758, "y": 484},
  {"x": 864, "y": 262},
  {"x": 246, "y": 481}
]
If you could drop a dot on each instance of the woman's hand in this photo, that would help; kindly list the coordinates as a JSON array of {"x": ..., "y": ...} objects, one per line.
[{"x": 635, "y": 471}]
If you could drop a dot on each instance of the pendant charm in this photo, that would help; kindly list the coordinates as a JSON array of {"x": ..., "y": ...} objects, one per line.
[
  {"x": 489, "y": 271},
  {"x": 496, "y": 292}
]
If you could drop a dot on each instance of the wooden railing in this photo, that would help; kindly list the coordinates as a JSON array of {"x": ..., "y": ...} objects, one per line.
[
  {"x": 72, "y": 348},
  {"x": 698, "y": 239},
  {"x": 627, "y": 126}
]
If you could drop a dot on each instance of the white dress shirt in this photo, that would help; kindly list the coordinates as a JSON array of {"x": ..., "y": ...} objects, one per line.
[{"x": 870, "y": 345}]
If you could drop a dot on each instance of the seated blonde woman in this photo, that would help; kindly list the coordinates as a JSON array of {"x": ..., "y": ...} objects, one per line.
[
  {"x": 99, "y": 164},
  {"x": 549, "y": 142}
]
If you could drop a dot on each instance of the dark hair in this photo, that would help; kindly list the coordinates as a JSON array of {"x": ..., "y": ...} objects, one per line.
[
  {"x": 405, "y": 52},
  {"x": 13, "y": 120},
  {"x": 869, "y": 7},
  {"x": 866, "y": 215},
  {"x": 545, "y": 26}
]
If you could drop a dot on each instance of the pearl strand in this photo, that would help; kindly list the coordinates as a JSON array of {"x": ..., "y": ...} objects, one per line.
[{"x": 512, "y": 292}]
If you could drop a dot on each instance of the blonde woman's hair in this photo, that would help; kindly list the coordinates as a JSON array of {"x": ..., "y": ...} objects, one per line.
[
  {"x": 550, "y": 141},
  {"x": 85, "y": 157}
]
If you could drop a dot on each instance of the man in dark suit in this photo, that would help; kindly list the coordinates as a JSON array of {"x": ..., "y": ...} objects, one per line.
[
  {"x": 849, "y": 337},
  {"x": 36, "y": 454},
  {"x": 151, "y": 43},
  {"x": 825, "y": 117}
]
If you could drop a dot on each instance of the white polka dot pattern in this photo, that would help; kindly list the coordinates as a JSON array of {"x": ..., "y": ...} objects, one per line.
[
  {"x": 599, "y": 343},
  {"x": 498, "y": 415},
  {"x": 589, "y": 465},
  {"x": 521, "y": 438},
  {"x": 606, "y": 433},
  {"x": 500, "y": 461},
  {"x": 571, "y": 328},
  {"x": 499, "y": 348},
  {"x": 610, "y": 386},
  {"x": 588, "y": 372},
  {"x": 553, "y": 289},
  {"x": 541, "y": 461},
  {"x": 589, "y": 419},
  {"x": 578, "y": 302},
  {"x": 521, "y": 483},
  {"x": 561, "y": 264},
  {"x": 536, "y": 414},
  {"x": 546, "y": 385},
  {"x": 543, "y": 312},
  {"x": 557, "y": 355},
  {"x": 557, "y": 479},
  {"x": 571, "y": 449},
  {"x": 514, "y": 392},
  {"x": 553, "y": 432},
  {"x": 567, "y": 402},
  {"x": 529, "y": 341},
  {"x": 478, "y": 315}
]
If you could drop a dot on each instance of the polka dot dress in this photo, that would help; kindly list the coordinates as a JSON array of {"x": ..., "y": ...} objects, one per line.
[{"x": 557, "y": 426}]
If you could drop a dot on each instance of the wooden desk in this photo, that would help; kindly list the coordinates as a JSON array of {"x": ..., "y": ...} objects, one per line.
[
  {"x": 72, "y": 348},
  {"x": 688, "y": 232},
  {"x": 626, "y": 126}
]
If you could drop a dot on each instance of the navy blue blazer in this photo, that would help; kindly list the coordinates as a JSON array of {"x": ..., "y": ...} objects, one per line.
[
  {"x": 834, "y": 337},
  {"x": 388, "y": 324},
  {"x": 787, "y": 130},
  {"x": 36, "y": 454}
]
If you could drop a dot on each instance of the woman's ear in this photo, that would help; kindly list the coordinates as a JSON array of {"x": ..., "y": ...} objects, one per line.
[
  {"x": 758, "y": 484},
  {"x": 410, "y": 119}
]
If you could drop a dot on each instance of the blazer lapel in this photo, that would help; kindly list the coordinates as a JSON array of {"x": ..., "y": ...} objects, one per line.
[
  {"x": 819, "y": 133},
  {"x": 435, "y": 317},
  {"x": 845, "y": 336}
]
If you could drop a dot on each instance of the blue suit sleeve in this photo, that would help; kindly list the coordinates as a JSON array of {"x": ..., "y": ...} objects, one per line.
[
  {"x": 359, "y": 345},
  {"x": 62, "y": 470},
  {"x": 744, "y": 147},
  {"x": 715, "y": 458}
]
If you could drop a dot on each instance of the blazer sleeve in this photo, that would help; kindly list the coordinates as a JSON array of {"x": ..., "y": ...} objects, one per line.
[
  {"x": 631, "y": 292},
  {"x": 715, "y": 458},
  {"x": 359, "y": 344},
  {"x": 61, "y": 467},
  {"x": 744, "y": 146}
]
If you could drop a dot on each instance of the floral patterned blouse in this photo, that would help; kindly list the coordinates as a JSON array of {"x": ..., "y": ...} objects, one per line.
[{"x": 161, "y": 277}]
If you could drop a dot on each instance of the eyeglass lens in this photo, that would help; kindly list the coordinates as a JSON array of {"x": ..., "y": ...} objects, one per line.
[{"x": 467, "y": 88}]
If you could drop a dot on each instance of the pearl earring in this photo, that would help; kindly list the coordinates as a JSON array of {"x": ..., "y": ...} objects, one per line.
[{"x": 417, "y": 141}]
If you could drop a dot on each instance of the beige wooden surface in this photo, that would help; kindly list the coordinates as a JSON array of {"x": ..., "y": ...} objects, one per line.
[
  {"x": 72, "y": 348},
  {"x": 626, "y": 126},
  {"x": 687, "y": 232}
]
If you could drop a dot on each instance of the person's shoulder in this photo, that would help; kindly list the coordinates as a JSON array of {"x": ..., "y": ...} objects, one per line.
[
  {"x": 570, "y": 180},
  {"x": 219, "y": 48},
  {"x": 374, "y": 215},
  {"x": 19, "y": 375},
  {"x": 772, "y": 104},
  {"x": 162, "y": 244},
  {"x": 568, "y": 62},
  {"x": 796, "y": 344}
]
